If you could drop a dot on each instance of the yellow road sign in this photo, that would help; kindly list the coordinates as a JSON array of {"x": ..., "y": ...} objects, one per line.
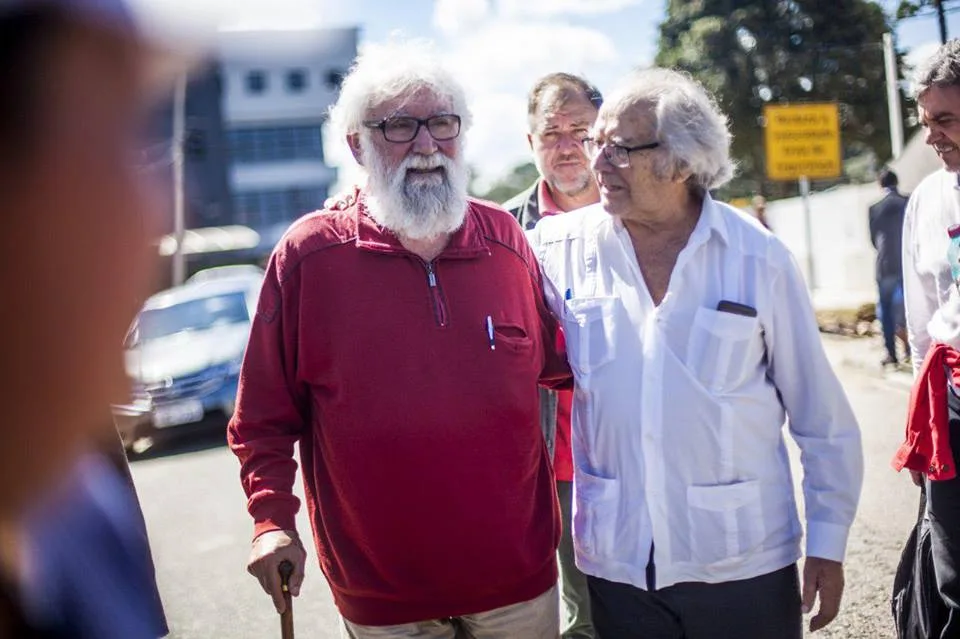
[{"x": 802, "y": 140}]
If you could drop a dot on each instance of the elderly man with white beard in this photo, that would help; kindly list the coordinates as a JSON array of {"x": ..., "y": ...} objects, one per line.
[{"x": 399, "y": 340}]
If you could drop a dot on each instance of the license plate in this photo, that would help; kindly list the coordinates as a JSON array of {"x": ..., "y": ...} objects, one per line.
[{"x": 178, "y": 413}]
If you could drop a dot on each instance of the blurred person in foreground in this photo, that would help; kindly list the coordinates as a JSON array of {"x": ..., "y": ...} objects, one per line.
[
  {"x": 72, "y": 267},
  {"x": 399, "y": 340},
  {"x": 930, "y": 280},
  {"x": 886, "y": 234},
  {"x": 692, "y": 337},
  {"x": 561, "y": 109}
]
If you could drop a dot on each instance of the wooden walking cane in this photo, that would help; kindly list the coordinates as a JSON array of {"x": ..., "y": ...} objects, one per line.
[{"x": 286, "y": 619}]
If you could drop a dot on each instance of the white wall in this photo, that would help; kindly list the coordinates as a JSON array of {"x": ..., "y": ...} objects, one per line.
[
  {"x": 279, "y": 175},
  {"x": 843, "y": 255},
  {"x": 318, "y": 52}
]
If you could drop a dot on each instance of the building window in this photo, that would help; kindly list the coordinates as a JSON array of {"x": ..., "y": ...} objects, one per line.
[
  {"x": 296, "y": 81},
  {"x": 261, "y": 209},
  {"x": 256, "y": 82},
  {"x": 276, "y": 144},
  {"x": 334, "y": 79}
]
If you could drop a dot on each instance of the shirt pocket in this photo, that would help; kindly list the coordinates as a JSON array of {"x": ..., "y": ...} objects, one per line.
[
  {"x": 723, "y": 349},
  {"x": 726, "y": 521},
  {"x": 512, "y": 337},
  {"x": 595, "y": 513},
  {"x": 588, "y": 330}
]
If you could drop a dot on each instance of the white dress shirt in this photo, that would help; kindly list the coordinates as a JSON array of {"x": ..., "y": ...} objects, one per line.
[
  {"x": 929, "y": 293},
  {"x": 679, "y": 409}
]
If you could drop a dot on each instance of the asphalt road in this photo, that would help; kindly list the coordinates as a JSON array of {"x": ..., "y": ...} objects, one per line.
[{"x": 200, "y": 530}]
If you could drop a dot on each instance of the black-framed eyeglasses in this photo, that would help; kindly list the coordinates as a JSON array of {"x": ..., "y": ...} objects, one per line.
[
  {"x": 617, "y": 154},
  {"x": 401, "y": 128}
]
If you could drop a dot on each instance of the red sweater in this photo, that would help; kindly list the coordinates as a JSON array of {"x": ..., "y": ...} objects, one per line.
[
  {"x": 927, "y": 445},
  {"x": 427, "y": 480}
]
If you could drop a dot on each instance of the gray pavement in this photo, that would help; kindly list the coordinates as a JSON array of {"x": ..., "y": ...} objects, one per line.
[{"x": 200, "y": 531}]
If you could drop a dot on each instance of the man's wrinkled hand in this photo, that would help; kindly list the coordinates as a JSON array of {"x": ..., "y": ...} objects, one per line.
[
  {"x": 269, "y": 550},
  {"x": 822, "y": 577}
]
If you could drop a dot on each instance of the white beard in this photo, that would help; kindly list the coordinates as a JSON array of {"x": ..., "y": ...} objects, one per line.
[{"x": 418, "y": 207}]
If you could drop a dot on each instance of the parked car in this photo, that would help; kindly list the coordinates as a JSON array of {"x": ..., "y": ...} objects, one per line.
[{"x": 183, "y": 355}]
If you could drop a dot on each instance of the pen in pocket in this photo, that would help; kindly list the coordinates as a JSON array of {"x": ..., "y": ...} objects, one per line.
[{"x": 490, "y": 334}]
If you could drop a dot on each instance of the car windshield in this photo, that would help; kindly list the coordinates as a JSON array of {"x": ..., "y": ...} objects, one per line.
[{"x": 195, "y": 315}]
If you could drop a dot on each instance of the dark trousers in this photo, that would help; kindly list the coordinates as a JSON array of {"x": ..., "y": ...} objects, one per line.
[
  {"x": 575, "y": 618},
  {"x": 765, "y": 607},
  {"x": 943, "y": 509},
  {"x": 891, "y": 312}
]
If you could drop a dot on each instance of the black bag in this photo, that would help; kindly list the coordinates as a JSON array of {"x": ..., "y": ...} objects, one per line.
[{"x": 918, "y": 610}]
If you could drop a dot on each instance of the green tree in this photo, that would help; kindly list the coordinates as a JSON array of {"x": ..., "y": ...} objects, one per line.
[
  {"x": 753, "y": 52},
  {"x": 506, "y": 187}
]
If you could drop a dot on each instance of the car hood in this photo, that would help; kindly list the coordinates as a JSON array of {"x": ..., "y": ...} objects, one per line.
[{"x": 186, "y": 353}]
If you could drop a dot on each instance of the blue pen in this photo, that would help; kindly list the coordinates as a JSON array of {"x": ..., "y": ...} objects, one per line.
[{"x": 493, "y": 344}]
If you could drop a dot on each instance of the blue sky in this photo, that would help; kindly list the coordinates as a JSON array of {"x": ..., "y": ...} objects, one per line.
[{"x": 500, "y": 47}]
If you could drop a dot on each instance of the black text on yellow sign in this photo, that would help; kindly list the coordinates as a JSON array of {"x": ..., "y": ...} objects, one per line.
[{"x": 802, "y": 140}]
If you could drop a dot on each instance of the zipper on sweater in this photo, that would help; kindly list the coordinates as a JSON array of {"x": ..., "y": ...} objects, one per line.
[{"x": 439, "y": 308}]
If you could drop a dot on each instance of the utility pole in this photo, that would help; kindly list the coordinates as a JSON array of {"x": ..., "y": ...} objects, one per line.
[
  {"x": 942, "y": 18},
  {"x": 893, "y": 96},
  {"x": 179, "y": 126}
]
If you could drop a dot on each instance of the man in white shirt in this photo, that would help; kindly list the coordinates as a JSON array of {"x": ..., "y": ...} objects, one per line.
[
  {"x": 931, "y": 294},
  {"x": 692, "y": 337}
]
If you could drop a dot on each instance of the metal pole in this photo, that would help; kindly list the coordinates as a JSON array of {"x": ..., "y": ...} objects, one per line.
[
  {"x": 808, "y": 228},
  {"x": 893, "y": 97},
  {"x": 179, "y": 116},
  {"x": 942, "y": 18}
]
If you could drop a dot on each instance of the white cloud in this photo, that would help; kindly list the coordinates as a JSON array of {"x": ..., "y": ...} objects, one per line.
[
  {"x": 547, "y": 8},
  {"x": 513, "y": 54},
  {"x": 251, "y": 14},
  {"x": 920, "y": 53},
  {"x": 450, "y": 17},
  {"x": 497, "y": 142}
]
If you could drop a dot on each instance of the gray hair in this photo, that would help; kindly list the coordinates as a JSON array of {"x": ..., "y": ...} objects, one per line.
[
  {"x": 942, "y": 69},
  {"x": 560, "y": 81},
  {"x": 689, "y": 124},
  {"x": 389, "y": 71}
]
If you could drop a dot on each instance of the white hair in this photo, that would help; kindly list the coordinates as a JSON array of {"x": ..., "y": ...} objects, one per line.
[
  {"x": 689, "y": 124},
  {"x": 384, "y": 72}
]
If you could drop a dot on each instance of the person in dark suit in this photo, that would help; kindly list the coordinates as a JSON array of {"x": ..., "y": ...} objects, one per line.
[{"x": 886, "y": 232}]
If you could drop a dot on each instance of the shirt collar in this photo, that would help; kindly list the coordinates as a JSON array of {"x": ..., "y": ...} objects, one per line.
[
  {"x": 712, "y": 222},
  {"x": 545, "y": 201}
]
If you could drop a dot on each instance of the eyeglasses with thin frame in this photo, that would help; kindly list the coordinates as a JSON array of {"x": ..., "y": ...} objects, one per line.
[
  {"x": 616, "y": 154},
  {"x": 402, "y": 128}
]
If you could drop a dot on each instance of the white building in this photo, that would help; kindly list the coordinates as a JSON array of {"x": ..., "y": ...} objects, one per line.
[{"x": 277, "y": 87}]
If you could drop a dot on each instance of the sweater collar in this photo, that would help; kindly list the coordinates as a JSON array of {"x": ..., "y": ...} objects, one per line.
[{"x": 467, "y": 242}]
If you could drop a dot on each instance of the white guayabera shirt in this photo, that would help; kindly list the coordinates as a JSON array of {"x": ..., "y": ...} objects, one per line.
[
  {"x": 679, "y": 409},
  {"x": 930, "y": 295}
]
